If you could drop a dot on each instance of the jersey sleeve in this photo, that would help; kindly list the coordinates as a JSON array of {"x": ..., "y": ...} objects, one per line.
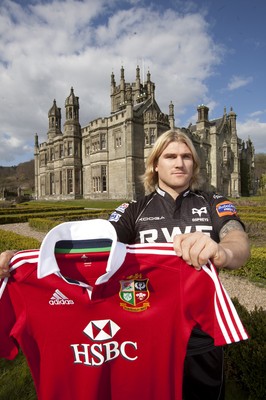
[
  {"x": 218, "y": 316},
  {"x": 123, "y": 219},
  {"x": 8, "y": 346},
  {"x": 222, "y": 211}
]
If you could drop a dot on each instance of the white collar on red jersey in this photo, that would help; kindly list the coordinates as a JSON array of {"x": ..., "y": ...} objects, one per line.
[{"x": 80, "y": 230}]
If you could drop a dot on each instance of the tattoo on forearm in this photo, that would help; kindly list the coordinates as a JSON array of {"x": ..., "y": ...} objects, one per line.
[{"x": 230, "y": 226}]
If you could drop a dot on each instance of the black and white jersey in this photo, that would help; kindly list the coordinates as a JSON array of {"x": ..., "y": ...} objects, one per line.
[{"x": 158, "y": 217}]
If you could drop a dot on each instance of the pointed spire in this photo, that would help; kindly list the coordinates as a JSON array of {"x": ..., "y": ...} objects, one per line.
[
  {"x": 122, "y": 73},
  {"x": 137, "y": 72},
  {"x": 36, "y": 141}
]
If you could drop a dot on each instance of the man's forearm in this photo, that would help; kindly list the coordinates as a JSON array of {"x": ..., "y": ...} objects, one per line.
[{"x": 237, "y": 248}]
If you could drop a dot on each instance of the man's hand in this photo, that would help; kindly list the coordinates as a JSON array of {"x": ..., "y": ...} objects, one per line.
[
  {"x": 197, "y": 248},
  {"x": 5, "y": 257}
]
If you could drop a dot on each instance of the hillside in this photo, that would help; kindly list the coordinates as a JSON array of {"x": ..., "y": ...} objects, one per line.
[{"x": 22, "y": 175}]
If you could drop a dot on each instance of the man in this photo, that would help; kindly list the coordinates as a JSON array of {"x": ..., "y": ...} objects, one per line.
[{"x": 201, "y": 225}]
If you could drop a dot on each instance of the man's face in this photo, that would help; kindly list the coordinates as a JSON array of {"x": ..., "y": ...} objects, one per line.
[{"x": 175, "y": 168}]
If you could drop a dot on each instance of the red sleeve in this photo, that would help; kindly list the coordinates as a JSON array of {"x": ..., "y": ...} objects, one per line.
[
  {"x": 8, "y": 346},
  {"x": 216, "y": 315}
]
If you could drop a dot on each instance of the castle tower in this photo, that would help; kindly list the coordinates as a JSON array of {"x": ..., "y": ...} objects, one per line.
[
  {"x": 171, "y": 115},
  {"x": 232, "y": 122},
  {"x": 71, "y": 125},
  {"x": 72, "y": 169},
  {"x": 138, "y": 82},
  {"x": 235, "y": 174},
  {"x": 203, "y": 116},
  {"x": 54, "y": 117},
  {"x": 36, "y": 165}
]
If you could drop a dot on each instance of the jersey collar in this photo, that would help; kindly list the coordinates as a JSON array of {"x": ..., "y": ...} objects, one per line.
[
  {"x": 163, "y": 193},
  {"x": 80, "y": 230}
]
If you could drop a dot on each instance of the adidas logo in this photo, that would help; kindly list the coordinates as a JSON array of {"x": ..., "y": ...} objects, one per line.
[{"x": 59, "y": 299}]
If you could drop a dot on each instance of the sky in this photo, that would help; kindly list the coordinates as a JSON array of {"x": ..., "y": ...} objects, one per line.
[{"x": 210, "y": 52}]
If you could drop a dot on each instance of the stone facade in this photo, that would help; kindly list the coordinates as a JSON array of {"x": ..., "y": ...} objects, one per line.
[{"x": 104, "y": 159}]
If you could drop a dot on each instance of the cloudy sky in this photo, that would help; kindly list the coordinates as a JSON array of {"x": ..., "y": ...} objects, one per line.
[{"x": 210, "y": 52}]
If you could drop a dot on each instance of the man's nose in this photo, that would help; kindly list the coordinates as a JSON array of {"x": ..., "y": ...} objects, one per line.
[{"x": 179, "y": 161}]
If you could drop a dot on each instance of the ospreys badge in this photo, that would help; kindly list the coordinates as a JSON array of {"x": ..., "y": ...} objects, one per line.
[{"x": 134, "y": 293}]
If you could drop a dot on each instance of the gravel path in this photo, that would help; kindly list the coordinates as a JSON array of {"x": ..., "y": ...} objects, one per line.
[{"x": 248, "y": 294}]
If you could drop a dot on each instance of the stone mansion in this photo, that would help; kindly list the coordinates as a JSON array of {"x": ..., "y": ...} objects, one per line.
[{"x": 104, "y": 159}]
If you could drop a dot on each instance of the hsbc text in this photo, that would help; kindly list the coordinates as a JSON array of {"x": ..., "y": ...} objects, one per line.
[{"x": 97, "y": 353}]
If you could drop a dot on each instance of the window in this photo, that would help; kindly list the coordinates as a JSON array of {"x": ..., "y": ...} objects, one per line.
[
  {"x": 87, "y": 148},
  {"x": 42, "y": 182},
  {"x": 43, "y": 160},
  {"x": 118, "y": 141},
  {"x": 51, "y": 154},
  {"x": 99, "y": 179},
  {"x": 117, "y": 138},
  {"x": 76, "y": 147},
  {"x": 152, "y": 136},
  {"x": 95, "y": 143},
  {"x": 96, "y": 184},
  {"x": 69, "y": 181},
  {"x": 104, "y": 178},
  {"x": 69, "y": 148},
  {"x": 103, "y": 141},
  {"x": 61, "y": 151},
  {"x": 52, "y": 183},
  {"x": 60, "y": 182}
]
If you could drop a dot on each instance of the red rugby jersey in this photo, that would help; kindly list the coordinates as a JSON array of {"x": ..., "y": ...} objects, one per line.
[{"x": 119, "y": 335}]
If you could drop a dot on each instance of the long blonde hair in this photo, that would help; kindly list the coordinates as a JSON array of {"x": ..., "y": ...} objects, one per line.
[{"x": 150, "y": 177}]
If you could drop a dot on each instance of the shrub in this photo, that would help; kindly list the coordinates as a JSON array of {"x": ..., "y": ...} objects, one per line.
[
  {"x": 62, "y": 215},
  {"x": 255, "y": 269},
  {"x": 10, "y": 240},
  {"x": 246, "y": 361},
  {"x": 42, "y": 224},
  {"x": 16, "y": 380}
]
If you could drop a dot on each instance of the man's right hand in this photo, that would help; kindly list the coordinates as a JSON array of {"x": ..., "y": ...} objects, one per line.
[{"x": 5, "y": 257}]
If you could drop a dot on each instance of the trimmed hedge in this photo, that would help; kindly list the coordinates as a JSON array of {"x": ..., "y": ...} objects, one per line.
[
  {"x": 33, "y": 210},
  {"x": 255, "y": 269},
  {"x": 63, "y": 215},
  {"x": 11, "y": 240},
  {"x": 251, "y": 209},
  {"x": 45, "y": 224}
]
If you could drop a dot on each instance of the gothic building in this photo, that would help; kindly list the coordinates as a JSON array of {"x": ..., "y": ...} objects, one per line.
[{"x": 104, "y": 159}]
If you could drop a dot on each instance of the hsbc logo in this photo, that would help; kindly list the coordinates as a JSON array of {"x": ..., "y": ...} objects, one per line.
[
  {"x": 99, "y": 353},
  {"x": 101, "y": 330}
]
